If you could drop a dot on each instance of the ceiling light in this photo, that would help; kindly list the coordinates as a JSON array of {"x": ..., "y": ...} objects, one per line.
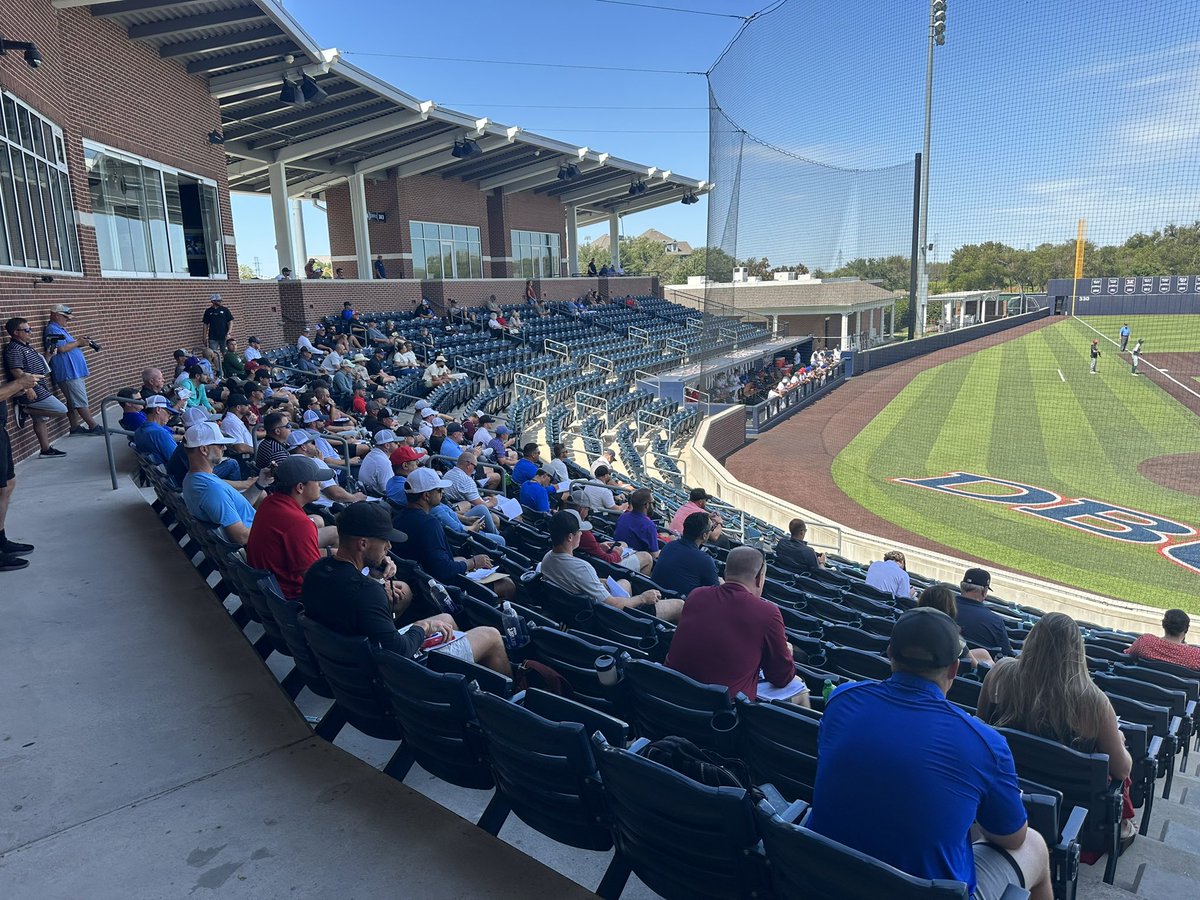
[
  {"x": 215, "y": 137},
  {"x": 288, "y": 93},
  {"x": 33, "y": 56},
  {"x": 313, "y": 92}
]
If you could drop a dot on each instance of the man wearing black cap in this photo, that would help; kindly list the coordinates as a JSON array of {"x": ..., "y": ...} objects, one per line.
[
  {"x": 283, "y": 539},
  {"x": 979, "y": 624},
  {"x": 336, "y": 594},
  {"x": 905, "y": 776},
  {"x": 697, "y": 502},
  {"x": 216, "y": 321}
]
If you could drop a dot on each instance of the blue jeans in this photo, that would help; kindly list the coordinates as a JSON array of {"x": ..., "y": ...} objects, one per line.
[
  {"x": 482, "y": 512},
  {"x": 228, "y": 469}
]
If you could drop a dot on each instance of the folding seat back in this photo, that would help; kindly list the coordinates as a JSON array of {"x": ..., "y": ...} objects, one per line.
[
  {"x": 849, "y": 636},
  {"x": 683, "y": 839},
  {"x": 1190, "y": 685},
  {"x": 646, "y": 633},
  {"x": 816, "y": 587},
  {"x": 1170, "y": 668},
  {"x": 857, "y": 663},
  {"x": 575, "y": 659},
  {"x": 484, "y": 678},
  {"x": 540, "y": 751},
  {"x": 249, "y": 588},
  {"x": 349, "y": 667},
  {"x": 867, "y": 605},
  {"x": 805, "y": 864},
  {"x": 664, "y": 702},
  {"x": 1101, "y": 653},
  {"x": 800, "y": 621},
  {"x": 436, "y": 711},
  {"x": 1082, "y": 779},
  {"x": 780, "y": 747},
  {"x": 286, "y": 614},
  {"x": 965, "y": 692},
  {"x": 830, "y": 611}
]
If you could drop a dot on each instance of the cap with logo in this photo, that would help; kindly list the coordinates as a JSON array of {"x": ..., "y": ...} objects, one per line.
[
  {"x": 158, "y": 401},
  {"x": 298, "y": 438},
  {"x": 404, "y": 454},
  {"x": 422, "y": 480},
  {"x": 300, "y": 470},
  {"x": 699, "y": 494},
  {"x": 62, "y": 309},
  {"x": 583, "y": 526},
  {"x": 237, "y": 400},
  {"x": 252, "y": 340},
  {"x": 385, "y": 436},
  {"x": 978, "y": 577},
  {"x": 503, "y": 430},
  {"x": 437, "y": 422},
  {"x": 311, "y": 415},
  {"x": 368, "y": 520},
  {"x": 194, "y": 416},
  {"x": 454, "y": 428},
  {"x": 926, "y": 638},
  {"x": 204, "y": 434}
]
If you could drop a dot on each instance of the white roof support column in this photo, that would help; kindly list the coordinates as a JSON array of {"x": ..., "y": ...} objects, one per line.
[
  {"x": 572, "y": 240},
  {"x": 845, "y": 332},
  {"x": 358, "y": 216},
  {"x": 983, "y": 302},
  {"x": 281, "y": 211},
  {"x": 299, "y": 238},
  {"x": 614, "y": 239},
  {"x": 892, "y": 321}
]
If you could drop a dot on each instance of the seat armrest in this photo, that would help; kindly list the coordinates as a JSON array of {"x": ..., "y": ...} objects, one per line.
[
  {"x": 1155, "y": 747},
  {"x": 1173, "y": 728},
  {"x": 1012, "y": 892},
  {"x": 638, "y": 745},
  {"x": 1074, "y": 825},
  {"x": 1190, "y": 709}
]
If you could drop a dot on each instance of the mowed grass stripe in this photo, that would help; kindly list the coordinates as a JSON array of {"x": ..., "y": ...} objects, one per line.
[
  {"x": 1081, "y": 438},
  {"x": 1162, "y": 333}
]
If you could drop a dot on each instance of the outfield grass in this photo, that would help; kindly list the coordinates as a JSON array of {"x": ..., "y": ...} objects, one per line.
[
  {"x": 1029, "y": 411},
  {"x": 1162, "y": 334}
]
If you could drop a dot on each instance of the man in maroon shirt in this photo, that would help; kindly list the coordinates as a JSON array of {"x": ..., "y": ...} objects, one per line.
[
  {"x": 729, "y": 635},
  {"x": 1172, "y": 647}
]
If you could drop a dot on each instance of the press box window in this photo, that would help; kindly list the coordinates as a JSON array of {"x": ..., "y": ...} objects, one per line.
[
  {"x": 535, "y": 254},
  {"x": 445, "y": 251}
]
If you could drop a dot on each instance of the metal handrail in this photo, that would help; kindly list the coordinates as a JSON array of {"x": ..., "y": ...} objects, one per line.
[
  {"x": 602, "y": 363},
  {"x": 549, "y": 345},
  {"x": 105, "y": 405}
]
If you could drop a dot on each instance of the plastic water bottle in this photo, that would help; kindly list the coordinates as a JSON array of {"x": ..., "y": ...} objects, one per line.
[
  {"x": 442, "y": 596},
  {"x": 827, "y": 689},
  {"x": 515, "y": 635}
]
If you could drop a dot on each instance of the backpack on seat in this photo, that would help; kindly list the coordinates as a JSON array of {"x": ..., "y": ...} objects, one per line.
[{"x": 701, "y": 765}]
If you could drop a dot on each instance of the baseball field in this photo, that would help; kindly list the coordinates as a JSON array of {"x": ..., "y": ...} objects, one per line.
[{"x": 1088, "y": 480}]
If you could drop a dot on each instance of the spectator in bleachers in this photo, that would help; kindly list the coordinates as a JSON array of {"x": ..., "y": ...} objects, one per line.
[
  {"x": 154, "y": 439},
  {"x": 342, "y": 387},
  {"x": 890, "y": 575},
  {"x": 602, "y": 498},
  {"x": 273, "y": 447},
  {"x": 380, "y": 269},
  {"x": 475, "y": 426},
  {"x": 558, "y": 462},
  {"x": 683, "y": 566},
  {"x": 456, "y": 438},
  {"x": 697, "y": 502},
  {"x": 793, "y": 552},
  {"x": 728, "y": 635},
  {"x": 427, "y": 544},
  {"x": 530, "y": 295},
  {"x": 1172, "y": 646},
  {"x": 232, "y": 364},
  {"x": 979, "y": 624},
  {"x": 376, "y": 469},
  {"x": 562, "y": 568},
  {"x": 535, "y": 491},
  {"x": 283, "y": 539},
  {"x": 437, "y": 434},
  {"x": 941, "y": 597},
  {"x": 405, "y": 359},
  {"x": 305, "y": 362},
  {"x": 301, "y": 443},
  {"x": 304, "y": 343},
  {"x": 492, "y": 305},
  {"x": 132, "y": 416},
  {"x": 192, "y": 390},
  {"x": 635, "y": 527},
  {"x": 234, "y": 424},
  {"x": 208, "y": 497},
  {"x": 333, "y": 359},
  {"x": 459, "y": 523},
  {"x": 905, "y": 776},
  {"x": 438, "y": 373},
  {"x": 514, "y": 322},
  {"x": 501, "y": 447},
  {"x": 253, "y": 352},
  {"x": 323, "y": 339},
  {"x": 531, "y": 461},
  {"x": 463, "y": 491},
  {"x": 152, "y": 382},
  {"x": 1048, "y": 691},
  {"x": 336, "y": 594},
  {"x": 404, "y": 460},
  {"x": 614, "y": 552},
  {"x": 591, "y": 269},
  {"x": 606, "y": 458}
]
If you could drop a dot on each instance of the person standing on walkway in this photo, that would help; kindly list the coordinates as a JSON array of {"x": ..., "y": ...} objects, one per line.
[
  {"x": 70, "y": 369},
  {"x": 10, "y": 551},
  {"x": 1095, "y": 355},
  {"x": 1124, "y": 336},
  {"x": 216, "y": 324},
  {"x": 1136, "y": 355},
  {"x": 36, "y": 402}
]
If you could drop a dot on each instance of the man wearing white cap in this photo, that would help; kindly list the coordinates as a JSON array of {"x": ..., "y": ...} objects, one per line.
[
  {"x": 228, "y": 469},
  {"x": 376, "y": 468},
  {"x": 210, "y": 499},
  {"x": 301, "y": 443},
  {"x": 70, "y": 369},
  {"x": 437, "y": 372},
  {"x": 303, "y": 342},
  {"x": 428, "y": 416},
  {"x": 154, "y": 439},
  {"x": 343, "y": 383}
]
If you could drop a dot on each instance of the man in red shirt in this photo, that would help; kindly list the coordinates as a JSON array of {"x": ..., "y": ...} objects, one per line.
[
  {"x": 1171, "y": 647},
  {"x": 729, "y": 635},
  {"x": 283, "y": 539}
]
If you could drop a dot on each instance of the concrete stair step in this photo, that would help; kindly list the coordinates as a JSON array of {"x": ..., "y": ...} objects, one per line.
[{"x": 1155, "y": 869}]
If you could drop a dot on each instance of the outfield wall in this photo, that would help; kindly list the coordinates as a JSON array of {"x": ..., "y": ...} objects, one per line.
[
  {"x": 904, "y": 350},
  {"x": 1128, "y": 298},
  {"x": 705, "y": 470}
]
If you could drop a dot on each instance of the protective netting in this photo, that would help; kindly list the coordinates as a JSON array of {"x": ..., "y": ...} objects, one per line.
[{"x": 1007, "y": 449}]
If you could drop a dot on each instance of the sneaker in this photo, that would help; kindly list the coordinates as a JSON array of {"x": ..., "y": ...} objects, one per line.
[
  {"x": 95, "y": 429},
  {"x": 52, "y": 453},
  {"x": 15, "y": 548},
  {"x": 21, "y": 416},
  {"x": 79, "y": 429},
  {"x": 9, "y": 563}
]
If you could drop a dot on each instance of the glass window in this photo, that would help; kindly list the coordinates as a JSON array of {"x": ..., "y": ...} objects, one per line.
[
  {"x": 446, "y": 251},
  {"x": 152, "y": 220},
  {"x": 37, "y": 218},
  {"x": 535, "y": 254}
]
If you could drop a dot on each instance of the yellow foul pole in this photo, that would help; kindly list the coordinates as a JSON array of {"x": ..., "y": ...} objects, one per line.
[{"x": 1079, "y": 241}]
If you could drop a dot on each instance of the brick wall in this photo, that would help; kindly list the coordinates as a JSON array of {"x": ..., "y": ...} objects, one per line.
[{"x": 95, "y": 84}]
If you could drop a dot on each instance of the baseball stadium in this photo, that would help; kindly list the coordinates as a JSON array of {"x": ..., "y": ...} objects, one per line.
[{"x": 400, "y": 500}]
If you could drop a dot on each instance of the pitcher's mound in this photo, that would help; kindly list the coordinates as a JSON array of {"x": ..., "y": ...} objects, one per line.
[{"x": 1180, "y": 472}]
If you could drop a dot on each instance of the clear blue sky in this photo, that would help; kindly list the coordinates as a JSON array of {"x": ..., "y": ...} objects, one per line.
[{"x": 1044, "y": 112}]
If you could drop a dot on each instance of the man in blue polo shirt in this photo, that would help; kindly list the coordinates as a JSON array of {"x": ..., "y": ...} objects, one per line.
[
  {"x": 903, "y": 774},
  {"x": 682, "y": 565},
  {"x": 70, "y": 369},
  {"x": 528, "y": 465},
  {"x": 535, "y": 491},
  {"x": 155, "y": 439}
]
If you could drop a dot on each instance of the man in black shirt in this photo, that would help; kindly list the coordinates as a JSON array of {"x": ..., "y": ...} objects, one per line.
[
  {"x": 979, "y": 624},
  {"x": 337, "y": 594},
  {"x": 11, "y": 551},
  {"x": 216, "y": 323},
  {"x": 794, "y": 554}
]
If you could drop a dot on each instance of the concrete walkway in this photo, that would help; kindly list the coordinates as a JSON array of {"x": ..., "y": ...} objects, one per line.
[{"x": 146, "y": 752}]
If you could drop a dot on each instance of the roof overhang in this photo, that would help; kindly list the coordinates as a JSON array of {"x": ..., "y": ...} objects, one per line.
[{"x": 363, "y": 125}]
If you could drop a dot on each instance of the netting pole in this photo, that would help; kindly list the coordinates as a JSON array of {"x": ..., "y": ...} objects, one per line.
[{"x": 916, "y": 237}]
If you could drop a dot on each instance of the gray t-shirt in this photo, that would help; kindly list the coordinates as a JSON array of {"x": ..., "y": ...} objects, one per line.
[
  {"x": 574, "y": 576},
  {"x": 598, "y": 497}
]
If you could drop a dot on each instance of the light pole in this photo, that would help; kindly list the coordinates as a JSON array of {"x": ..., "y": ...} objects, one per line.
[{"x": 937, "y": 35}]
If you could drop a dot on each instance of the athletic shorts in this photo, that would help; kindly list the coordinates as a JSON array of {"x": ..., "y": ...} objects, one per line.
[
  {"x": 7, "y": 472},
  {"x": 995, "y": 870},
  {"x": 49, "y": 406},
  {"x": 459, "y": 647},
  {"x": 75, "y": 391}
]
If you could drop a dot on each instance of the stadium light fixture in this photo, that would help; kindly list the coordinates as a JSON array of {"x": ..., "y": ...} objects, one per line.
[
  {"x": 290, "y": 94},
  {"x": 568, "y": 172},
  {"x": 637, "y": 187},
  {"x": 311, "y": 91},
  {"x": 689, "y": 198},
  {"x": 465, "y": 149},
  {"x": 937, "y": 37}
]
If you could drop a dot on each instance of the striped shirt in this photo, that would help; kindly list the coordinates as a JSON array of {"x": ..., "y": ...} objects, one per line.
[{"x": 19, "y": 355}]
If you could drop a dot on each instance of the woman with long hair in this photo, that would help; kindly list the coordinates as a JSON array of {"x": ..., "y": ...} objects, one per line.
[
  {"x": 941, "y": 597},
  {"x": 1047, "y": 691}
]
